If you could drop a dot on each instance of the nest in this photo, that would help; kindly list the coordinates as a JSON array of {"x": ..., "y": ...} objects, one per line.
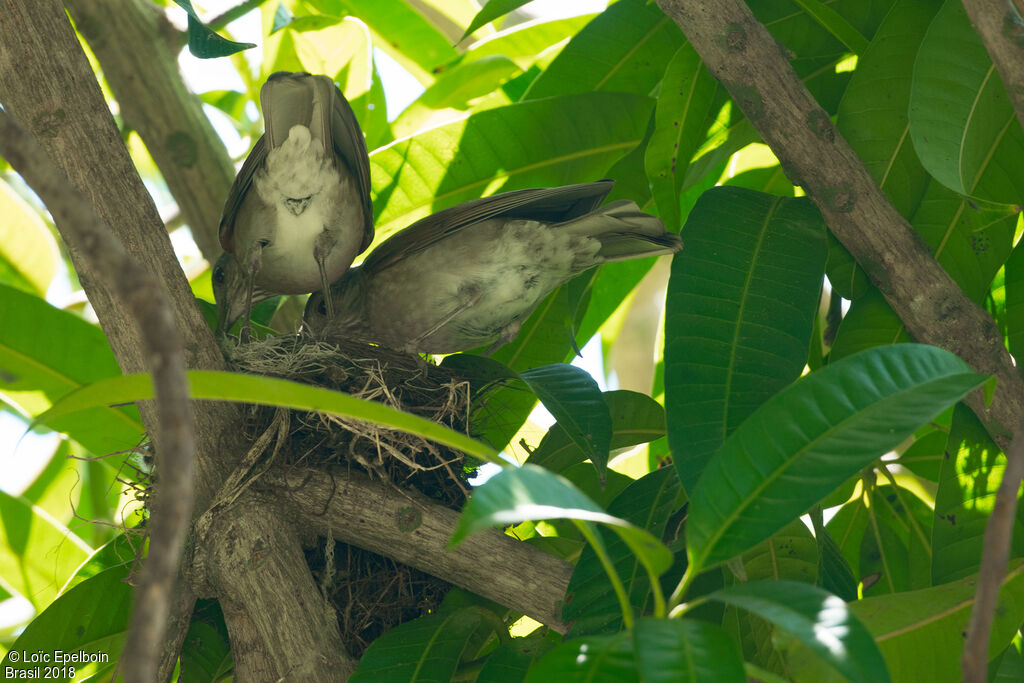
[{"x": 370, "y": 593}]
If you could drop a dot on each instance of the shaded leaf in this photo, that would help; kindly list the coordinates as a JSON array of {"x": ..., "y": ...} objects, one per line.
[
  {"x": 590, "y": 659},
  {"x": 741, "y": 303},
  {"x": 685, "y": 651},
  {"x": 204, "y": 43}
]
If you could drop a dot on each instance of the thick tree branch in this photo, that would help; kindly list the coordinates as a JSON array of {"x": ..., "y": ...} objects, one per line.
[
  {"x": 281, "y": 627},
  {"x": 145, "y": 298},
  {"x": 741, "y": 53},
  {"x": 128, "y": 38},
  {"x": 414, "y": 530},
  {"x": 1001, "y": 27}
]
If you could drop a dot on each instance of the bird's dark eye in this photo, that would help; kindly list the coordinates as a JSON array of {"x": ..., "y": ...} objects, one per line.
[
  {"x": 218, "y": 275},
  {"x": 321, "y": 308}
]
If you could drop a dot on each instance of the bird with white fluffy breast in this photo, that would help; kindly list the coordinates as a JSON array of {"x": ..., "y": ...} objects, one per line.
[
  {"x": 469, "y": 275},
  {"x": 299, "y": 210}
]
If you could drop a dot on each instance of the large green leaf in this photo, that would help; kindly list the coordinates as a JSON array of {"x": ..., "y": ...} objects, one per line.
[
  {"x": 259, "y": 389},
  {"x": 44, "y": 354},
  {"x": 685, "y": 651},
  {"x": 819, "y": 620},
  {"x": 424, "y": 650},
  {"x": 962, "y": 123},
  {"x": 590, "y": 659},
  {"x": 921, "y": 633},
  {"x": 90, "y": 618},
  {"x": 28, "y": 252},
  {"x": 37, "y": 553},
  {"x": 529, "y": 492},
  {"x": 635, "y": 418},
  {"x": 741, "y": 303},
  {"x": 524, "y": 43},
  {"x": 543, "y": 143},
  {"x": 971, "y": 473},
  {"x": 1015, "y": 301},
  {"x": 624, "y": 49},
  {"x": 590, "y": 604},
  {"x": 870, "y": 322},
  {"x": 809, "y": 438},
  {"x": 835, "y": 24},
  {"x": 684, "y": 103}
]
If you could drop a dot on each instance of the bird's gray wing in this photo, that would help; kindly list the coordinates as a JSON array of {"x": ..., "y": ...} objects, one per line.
[
  {"x": 350, "y": 145},
  {"x": 236, "y": 195},
  {"x": 554, "y": 205}
]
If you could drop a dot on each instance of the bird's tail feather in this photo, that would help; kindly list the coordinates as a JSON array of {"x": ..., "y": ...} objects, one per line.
[
  {"x": 625, "y": 232},
  {"x": 290, "y": 99}
]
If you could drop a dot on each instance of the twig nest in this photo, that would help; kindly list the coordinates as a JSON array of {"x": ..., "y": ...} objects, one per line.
[{"x": 369, "y": 593}]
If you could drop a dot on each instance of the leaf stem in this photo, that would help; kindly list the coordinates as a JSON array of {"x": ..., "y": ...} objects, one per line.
[{"x": 590, "y": 533}]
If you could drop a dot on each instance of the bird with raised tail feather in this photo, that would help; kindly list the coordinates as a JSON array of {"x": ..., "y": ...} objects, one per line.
[
  {"x": 299, "y": 210},
  {"x": 470, "y": 275}
]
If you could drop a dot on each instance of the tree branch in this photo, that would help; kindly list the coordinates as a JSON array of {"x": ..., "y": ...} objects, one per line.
[
  {"x": 145, "y": 298},
  {"x": 414, "y": 530},
  {"x": 1001, "y": 27},
  {"x": 128, "y": 39}
]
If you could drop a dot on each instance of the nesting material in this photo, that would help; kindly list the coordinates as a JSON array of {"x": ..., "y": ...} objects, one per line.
[{"x": 369, "y": 593}]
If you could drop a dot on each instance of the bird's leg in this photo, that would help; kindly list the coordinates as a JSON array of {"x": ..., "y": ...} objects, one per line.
[
  {"x": 254, "y": 257},
  {"x": 325, "y": 242}
]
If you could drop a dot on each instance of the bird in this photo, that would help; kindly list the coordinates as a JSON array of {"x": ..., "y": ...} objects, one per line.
[
  {"x": 470, "y": 275},
  {"x": 299, "y": 210}
]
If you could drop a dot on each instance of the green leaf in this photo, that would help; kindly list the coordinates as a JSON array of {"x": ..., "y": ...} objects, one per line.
[
  {"x": 526, "y": 43},
  {"x": 262, "y": 390},
  {"x": 45, "y": 353},
  {"x": 400, "y": 30},
  {"x": 512, "y": 660},
  {"x": 204, "y": 43},
  {"x": 834, "y": 573},
  {"x": 896, "y": 548},
  {"x": 835, "y": 24},
  {"x": 921, "y": 633},
  {"x": 590, "y": 659},
  {"x": 873, "y": 112},
  {"x": 635, "y": 418},
  {"x": 812, "y": 436},
  {"x": 424, "y": 650},
  {"x": 573, "y": 398},
  {"x": 684, "y": 103},
  {"x": 869, "y": 323},
  {"x": 972, "y": 470},
  {"x": 529, "y": 492},
  {"x": 961, "y": 121},
  {"x": 551, "y": 145},
  {"x": 741, "y": 303},
  {"x": 685, "y": 651},
  {"x": 37, "y": 553},
  {"x": 454, "y": 91},
  {"x": 92, "y": 617},
  {"x": 819, "y": 620},
  {"x": 491, "y": 11},
  {"x": 590, "y": 603},
  {"x": 28, "y": 252},
  {"x": 624, "y": 49}
]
